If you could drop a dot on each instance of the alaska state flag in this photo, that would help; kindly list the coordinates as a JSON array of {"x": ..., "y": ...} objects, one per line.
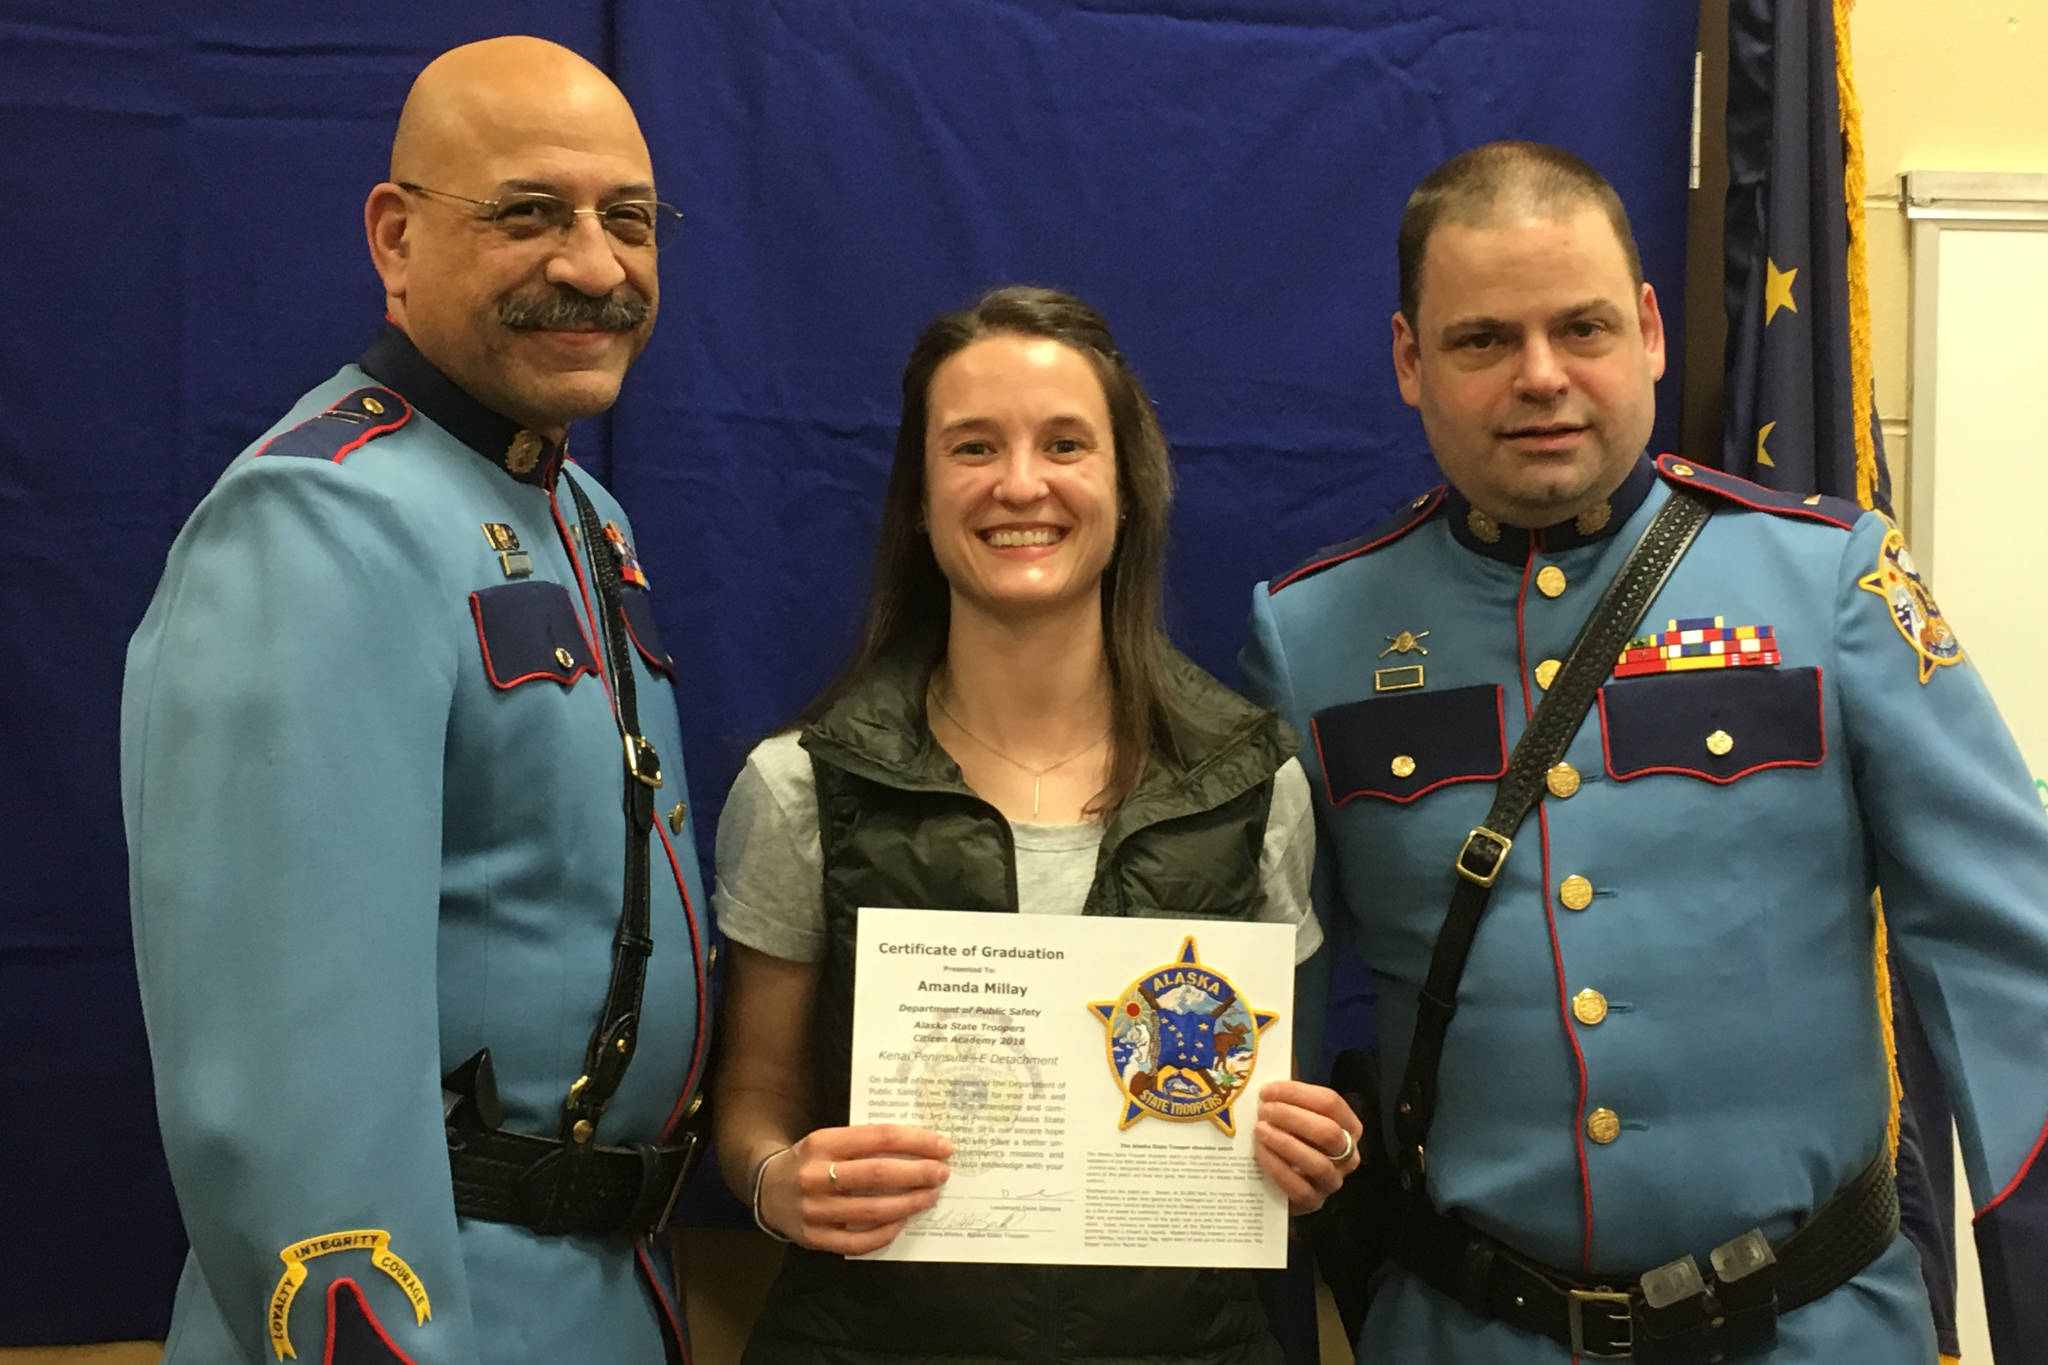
[
  {"x": 1800, "y": 415},
  {"x": 1798, "y": 398}
]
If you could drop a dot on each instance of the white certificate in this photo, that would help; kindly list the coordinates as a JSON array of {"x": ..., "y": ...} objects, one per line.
[{"x": 1098, "y": 1079}]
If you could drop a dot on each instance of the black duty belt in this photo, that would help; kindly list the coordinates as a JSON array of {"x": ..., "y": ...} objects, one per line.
[
  {"x": 1673, "y": 1315},
  {"x": 593, "y": 1191}
]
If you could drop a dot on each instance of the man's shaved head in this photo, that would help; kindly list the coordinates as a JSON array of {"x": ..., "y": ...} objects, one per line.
[
  {"x": 513, "y": 87},
  {"x": 538, "y": 323}
]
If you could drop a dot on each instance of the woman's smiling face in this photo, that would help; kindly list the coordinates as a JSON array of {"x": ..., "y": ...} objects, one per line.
[{"x": 1020, "y": 474}]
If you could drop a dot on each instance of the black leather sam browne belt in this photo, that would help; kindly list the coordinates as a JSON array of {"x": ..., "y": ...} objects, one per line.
[
  {"x": 571, "y": 1184},
  {"x": 554, "y": 1188},
  {"x": 1674, "y": 1314}
]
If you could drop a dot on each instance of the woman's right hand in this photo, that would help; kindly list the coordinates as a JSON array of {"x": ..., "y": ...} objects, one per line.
[{"x": 849, "y": 1190}]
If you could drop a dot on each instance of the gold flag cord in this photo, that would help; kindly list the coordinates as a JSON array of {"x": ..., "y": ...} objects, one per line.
[{"x": 1854, "y": 183}]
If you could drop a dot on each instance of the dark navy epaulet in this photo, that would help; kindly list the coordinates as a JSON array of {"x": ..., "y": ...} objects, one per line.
[
  {"x": 351, "y": 423},
  {"x": 1385, "y": 531},
  {"x": 1816, "y": 507}
]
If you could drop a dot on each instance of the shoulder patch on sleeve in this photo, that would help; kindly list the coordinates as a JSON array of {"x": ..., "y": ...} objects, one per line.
[
  {"x": 354, "y": 1336},
  {"x": 1385, "y": 531},
  {"x": 352, "y": 422},
  {"x": 1816, "y": 507}
]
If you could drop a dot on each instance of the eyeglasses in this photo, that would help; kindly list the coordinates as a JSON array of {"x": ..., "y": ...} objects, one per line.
[{"x": 530, "y": 214}]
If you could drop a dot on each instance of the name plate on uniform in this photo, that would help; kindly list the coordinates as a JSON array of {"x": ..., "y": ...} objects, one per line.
[{"x": 1098, "y": 1079}]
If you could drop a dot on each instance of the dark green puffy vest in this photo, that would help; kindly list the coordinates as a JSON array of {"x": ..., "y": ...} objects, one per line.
[{"x": 898, "y": 827}]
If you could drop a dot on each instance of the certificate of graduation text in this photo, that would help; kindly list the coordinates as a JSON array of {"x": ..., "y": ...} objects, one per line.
[{"x": 1098, "y": 1079}]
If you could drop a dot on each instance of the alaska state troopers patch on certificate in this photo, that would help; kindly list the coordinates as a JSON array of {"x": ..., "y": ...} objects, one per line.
[
  {"x": 1181, "y": 1042},
  {"x": 1913, "y": 611}
]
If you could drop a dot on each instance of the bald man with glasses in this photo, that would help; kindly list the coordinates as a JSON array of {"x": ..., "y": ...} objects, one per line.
[{"x": 427, "y": 1046}]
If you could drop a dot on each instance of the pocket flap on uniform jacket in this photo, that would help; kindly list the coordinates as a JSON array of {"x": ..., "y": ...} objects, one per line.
[
  {"x": 529, "y": 630},
  {"x": 1396, "y": 748},
  {"x": 1718, "y": 724},
  {"x": 636, "y": 606}
]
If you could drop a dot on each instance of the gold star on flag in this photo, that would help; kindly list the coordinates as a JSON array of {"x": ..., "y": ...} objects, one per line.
[
  {"x": 1763, "y": 457},
  {"x": 1778, "y": 289}
]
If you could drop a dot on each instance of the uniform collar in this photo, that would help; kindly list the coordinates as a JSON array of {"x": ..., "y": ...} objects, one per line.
[
  {"x": 527, "y": 456},
  {"x": 1481, "y": 534}
]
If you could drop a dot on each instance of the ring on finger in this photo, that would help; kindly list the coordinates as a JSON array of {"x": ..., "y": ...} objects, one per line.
[
  {"x": 1343, "y": 1155},
  {"x": 832, "y": 1173}
]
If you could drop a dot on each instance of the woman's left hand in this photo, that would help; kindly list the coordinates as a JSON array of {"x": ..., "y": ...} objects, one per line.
[{"x": 1306, "y": 1141}]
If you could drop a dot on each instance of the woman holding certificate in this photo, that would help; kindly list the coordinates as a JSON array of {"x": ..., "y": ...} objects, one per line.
[{"x": 1013, "y": 733}]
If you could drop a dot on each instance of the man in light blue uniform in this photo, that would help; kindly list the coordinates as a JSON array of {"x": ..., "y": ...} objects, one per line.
[
  {"x": 1667, "y": 1033},
  {"x": 398, "y": 737}
]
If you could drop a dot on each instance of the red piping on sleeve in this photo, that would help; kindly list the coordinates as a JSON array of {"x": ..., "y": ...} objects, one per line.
[
  {"x": 333, "y": 1295},
  {"x": 2017, "y": 1180}
]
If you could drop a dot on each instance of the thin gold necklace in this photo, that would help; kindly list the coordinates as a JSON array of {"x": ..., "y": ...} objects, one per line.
[{"x": 1037, "y": 774}]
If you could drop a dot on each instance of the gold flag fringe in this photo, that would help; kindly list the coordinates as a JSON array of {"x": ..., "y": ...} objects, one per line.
[{"x": 1854, "y": 184}]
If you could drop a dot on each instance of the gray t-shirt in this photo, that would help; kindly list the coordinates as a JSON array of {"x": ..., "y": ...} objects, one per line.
[{"x": 770, "y": 889}]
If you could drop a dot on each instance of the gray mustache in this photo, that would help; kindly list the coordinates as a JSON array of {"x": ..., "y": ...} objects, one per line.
[{"x": 616, "y": 312}]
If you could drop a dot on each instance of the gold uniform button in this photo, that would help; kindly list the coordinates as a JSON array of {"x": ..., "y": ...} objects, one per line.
[
  {"x": 1603, "y": 1126},
  {"x": 1563, "y": 781},
  {"x": 676, "y": 815},
  {"x": 1719, "y": 743},
  {"x": 583, "y": 1128},
  {"x": 564, "y": 657},
  {"x": 1546, "y": 673},
  {"x": 1402, "y": 766},
  {"x": 1683, "y": 471},
  {"x": 1589, "y": 1006},
  {"x": 1550, "y": 581},
  {"x": 373, "y": 407},
  {"x": 1576, "y": 892}
]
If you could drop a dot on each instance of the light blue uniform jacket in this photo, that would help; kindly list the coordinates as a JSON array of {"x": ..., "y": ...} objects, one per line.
[
  {"x": 1729, "y": 933},
  {"x": 374, "y": 824}
]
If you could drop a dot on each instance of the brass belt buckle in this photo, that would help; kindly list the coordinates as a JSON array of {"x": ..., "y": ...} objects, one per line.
[
  {"x": 1491, "y": 852},
  {"x": 1575, "y": 1313},
  {"x": 642, "y": 762}
]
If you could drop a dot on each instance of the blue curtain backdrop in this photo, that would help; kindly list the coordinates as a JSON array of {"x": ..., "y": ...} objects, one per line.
[{"x": 1221, "y": 177}]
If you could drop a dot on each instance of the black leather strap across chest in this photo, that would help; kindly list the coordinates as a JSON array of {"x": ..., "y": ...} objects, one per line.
[
  {"x": 618, "y": 1024},
  {"x": 1542, "y": 746}
]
